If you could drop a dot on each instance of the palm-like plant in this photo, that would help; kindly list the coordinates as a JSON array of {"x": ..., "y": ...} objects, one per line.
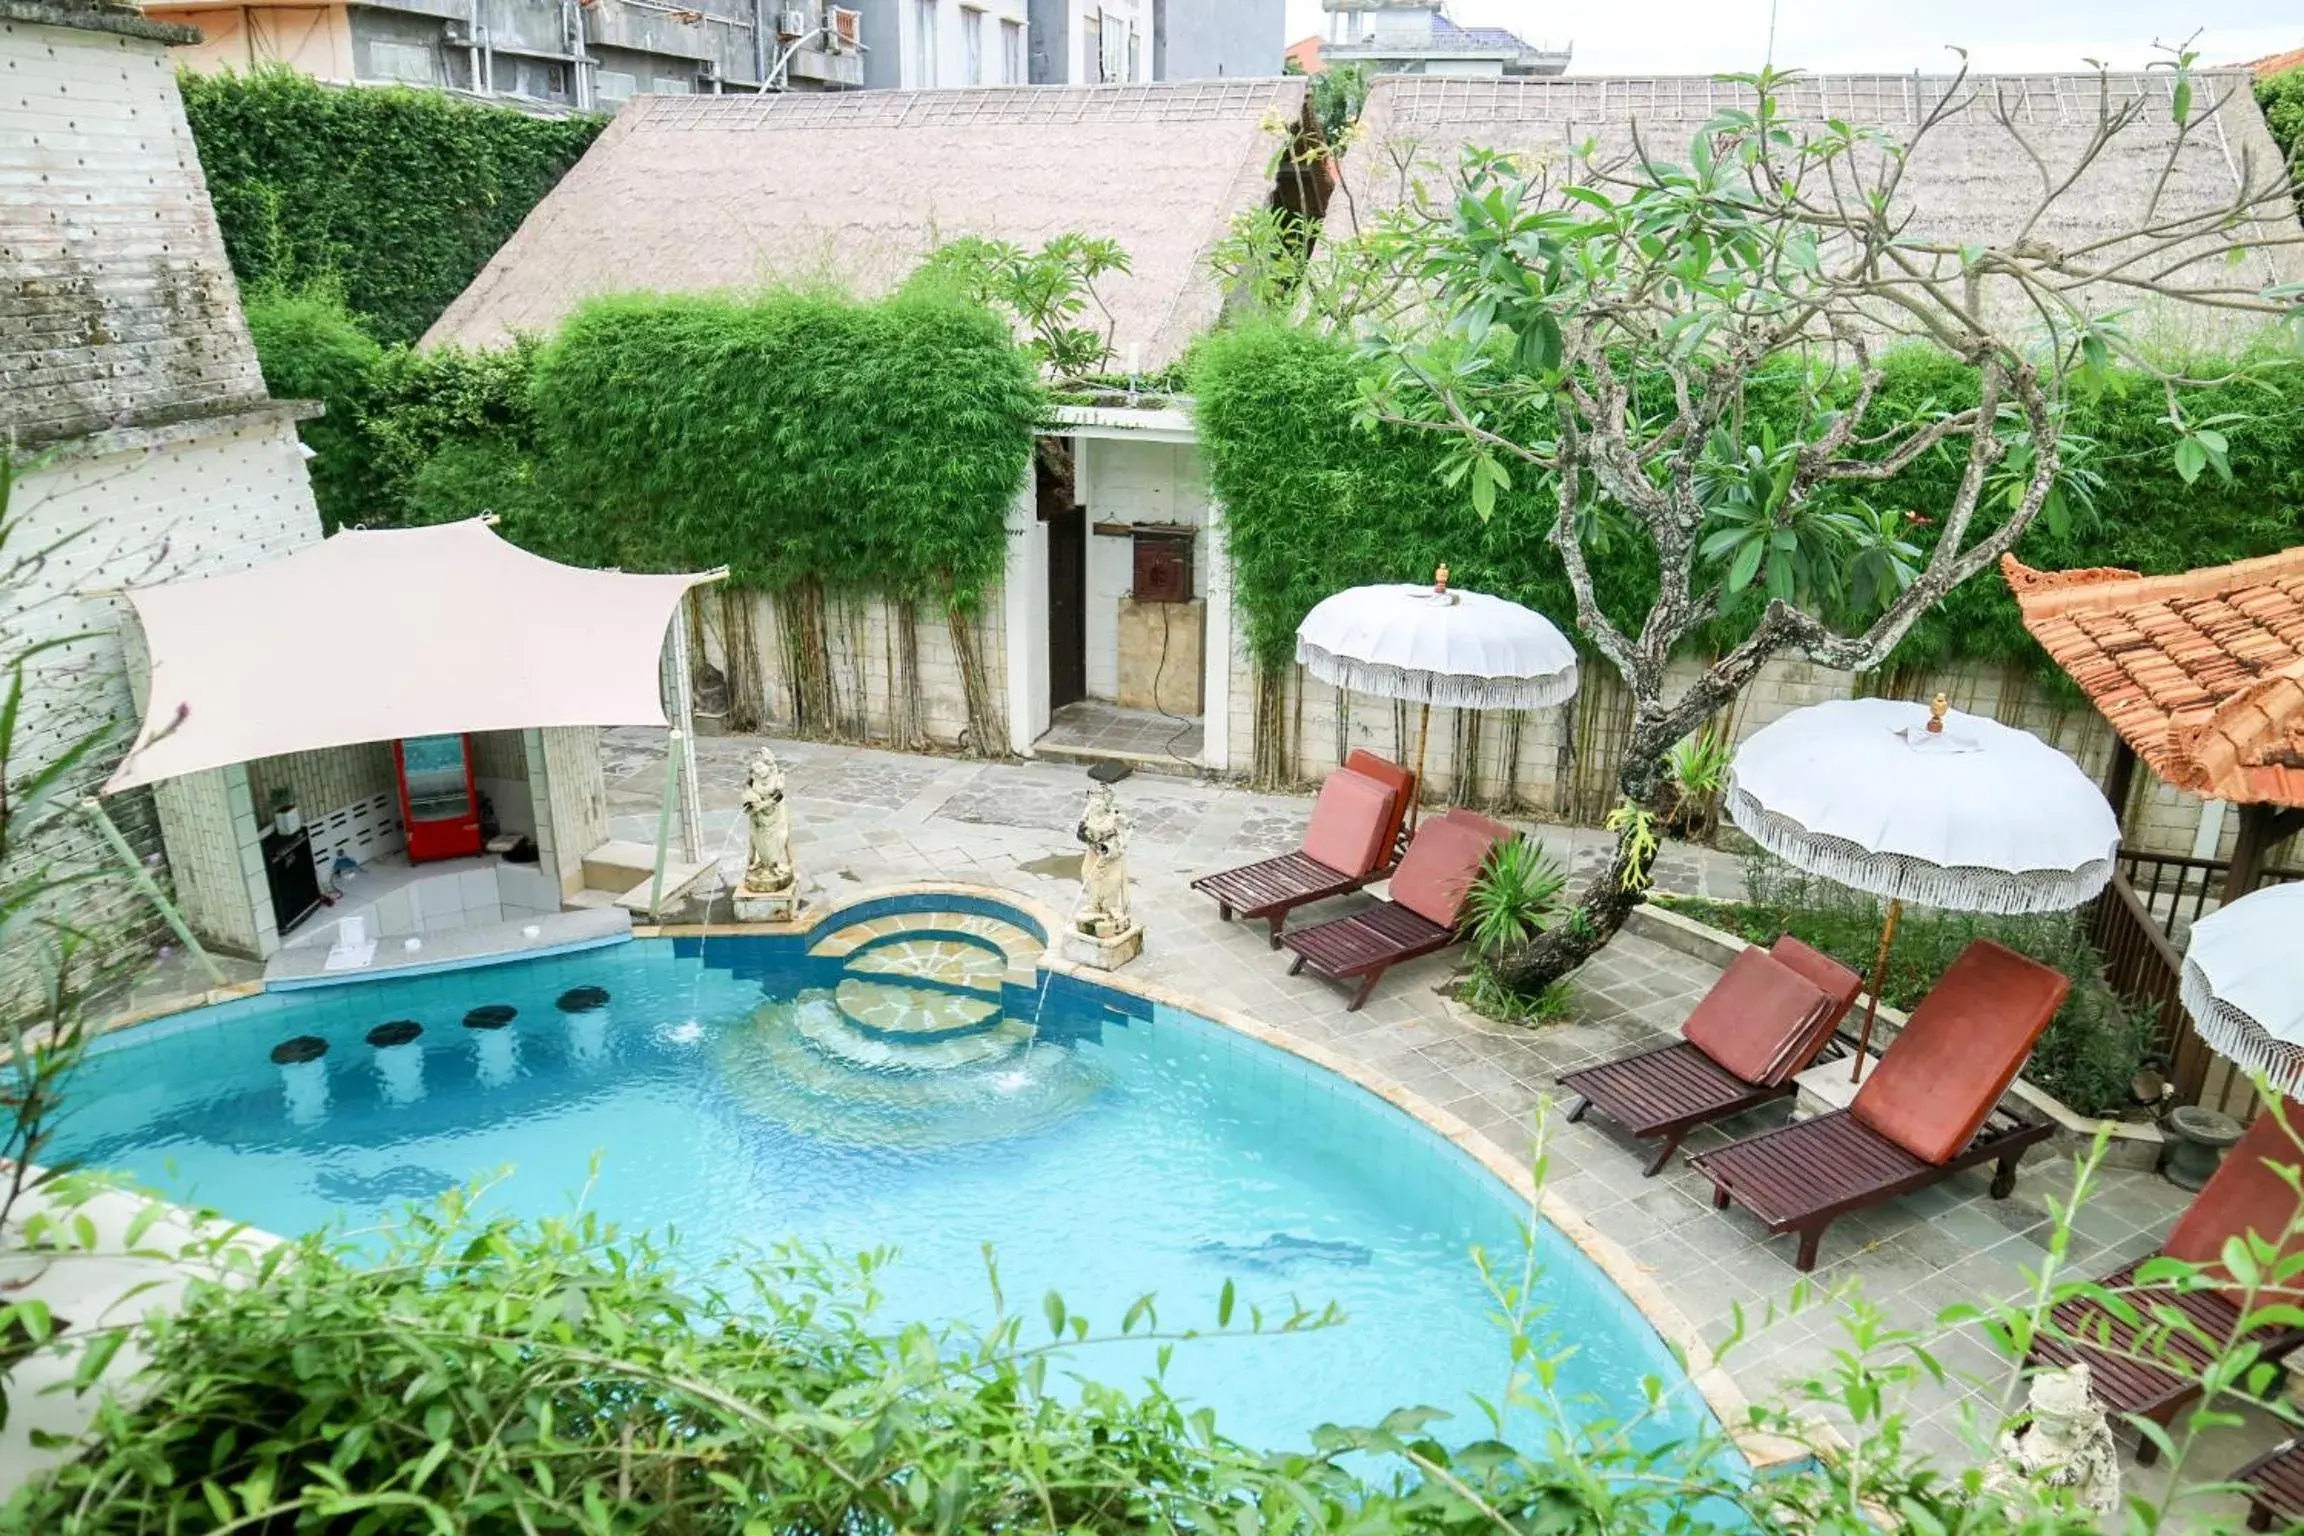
[{"x": 1516, "y": 896}]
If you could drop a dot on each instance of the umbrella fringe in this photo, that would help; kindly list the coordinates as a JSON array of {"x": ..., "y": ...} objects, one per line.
[
  {"x": 2237, "y": 1036},
  {"x": 1899, "y": 877},
  {"x": 1448, "y": 690}
]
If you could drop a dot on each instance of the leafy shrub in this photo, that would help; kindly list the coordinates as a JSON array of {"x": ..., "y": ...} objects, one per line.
[
  {"x": 401, "y": 195},
  {"x": 2282, "y": 98},
  {"x": 2093, "y": 1047},
  {"x": 311, "y": 348},
  {"x": 1517, "y": 895},
  {"x": 1316, "y": 502},
  {"x": 793, "y": 437}
]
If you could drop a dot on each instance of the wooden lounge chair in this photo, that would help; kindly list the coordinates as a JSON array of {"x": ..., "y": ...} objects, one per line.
[
  {"x": 1761, "y": 1025},
  {"x": 1351, "y": 842},
  {"x": 1428, "y": 893},
  {"x": 2275, "y": 1483},
  {"x": 2245, "y": 1195},
  {"x": 1929, "y": 1108}
]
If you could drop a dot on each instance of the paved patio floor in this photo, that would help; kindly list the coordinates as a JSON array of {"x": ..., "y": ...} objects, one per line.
[{"x": 864, "y": 818}]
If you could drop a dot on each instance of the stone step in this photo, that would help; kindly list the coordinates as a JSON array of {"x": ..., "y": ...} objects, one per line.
[
  {"x": 819, "y": 1021},
  {"x": 913, "y": 1014},
  {"x": 954, "y": 962},
  {"x": 1021, "y": 950}
]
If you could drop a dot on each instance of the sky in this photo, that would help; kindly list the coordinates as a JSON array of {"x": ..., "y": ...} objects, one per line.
[{"x": 1628, "y": 37}]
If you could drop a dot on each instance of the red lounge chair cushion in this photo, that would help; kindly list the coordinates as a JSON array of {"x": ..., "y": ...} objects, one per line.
[
  {"x": 1936, "y": 1085},
  {"x": 1755, "y": 1017},
  {"x": 2246, "y": 1195},
  {"x": 1436, "y": 874},
  {"x": 1348, "y": 820},
  {"x": 1393, "y": 777},
  {"x": 1835, "y": 980}
]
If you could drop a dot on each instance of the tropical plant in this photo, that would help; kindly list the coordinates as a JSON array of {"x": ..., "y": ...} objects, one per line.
[
  {"x": 1601, "y": 324},
  {"x": 1049, "y": 292},
  {"x": 1699, "y": 766},
  {"x": 1515, "y": 896},
  {"x": 455, "y": 1376}
]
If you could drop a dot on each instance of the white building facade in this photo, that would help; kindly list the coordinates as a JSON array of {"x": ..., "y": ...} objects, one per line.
[{"x": 918, "y": 45}]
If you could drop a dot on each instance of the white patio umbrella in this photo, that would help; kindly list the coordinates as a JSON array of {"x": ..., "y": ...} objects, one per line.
[
  {"x": 1918, "y": 803},
  {"x": 1435, "y": 645},
  {"x": 2243, "y": 983}
]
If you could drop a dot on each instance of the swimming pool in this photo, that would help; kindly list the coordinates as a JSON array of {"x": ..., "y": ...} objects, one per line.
[{"x": 909, "y": 1082}]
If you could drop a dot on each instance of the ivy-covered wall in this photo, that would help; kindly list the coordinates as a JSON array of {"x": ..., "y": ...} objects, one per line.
[
  {"x": 1315, "y": 502},
  {"x": 399, "y": 195}
]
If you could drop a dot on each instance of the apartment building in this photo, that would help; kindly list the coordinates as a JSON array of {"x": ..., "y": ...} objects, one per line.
[{"x": 921, "y": 45}]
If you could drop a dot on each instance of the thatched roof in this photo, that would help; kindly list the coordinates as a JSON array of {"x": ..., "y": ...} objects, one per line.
[
  {"x": 1971, "y": 180},
  {"x": 688, "y": 193}
]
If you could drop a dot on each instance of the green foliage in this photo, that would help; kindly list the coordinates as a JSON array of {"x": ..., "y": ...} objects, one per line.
[
  {"x": 1516, "y": 896},
  {"x": 2092, "y": 1050},
  {"x": 2282, "y": 98},
  {"x": 794, "y": 437},
  {"x": 311, "y": 348},
  {"x": 401, "y": 195},
  {"x": 1048, "y": 291},
  {"x": 1315, "y": 503}
]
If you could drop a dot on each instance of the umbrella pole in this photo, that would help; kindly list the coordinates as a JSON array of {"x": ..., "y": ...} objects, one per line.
[
  {"x": 1423, "y": 734},
  {"x": 1872, "y": 994}
]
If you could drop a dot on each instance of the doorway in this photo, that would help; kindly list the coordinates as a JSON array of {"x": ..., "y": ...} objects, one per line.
[{"x": 1067, "y": 525}]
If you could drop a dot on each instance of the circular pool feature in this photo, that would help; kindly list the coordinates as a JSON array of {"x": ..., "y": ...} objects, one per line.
[
  {"x": 398, "y": 1032},
  {"x": 582, "y": 999},
  {"x": 1101, "y": 1146},
  {"x": 298, "y": 1050}
]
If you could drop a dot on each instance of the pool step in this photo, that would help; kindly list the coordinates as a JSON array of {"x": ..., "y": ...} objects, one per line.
[
  {"x": 954, "y": 962},
  {"x": 818, "y": 1019},
  {"x": 1015, "y": 944},
  {"x": 913, "y": 1015}
]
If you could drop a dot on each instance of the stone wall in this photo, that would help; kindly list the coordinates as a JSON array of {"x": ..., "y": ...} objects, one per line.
[{"x": 116, "y": 305}]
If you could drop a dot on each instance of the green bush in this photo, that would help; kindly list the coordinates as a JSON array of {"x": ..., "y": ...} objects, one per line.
[
  {"x": 311, "y": 348},
  {"x": 793, "y": 437},
  {"x": 1315, "y": 503},
  {"x": 2093, "y": 1047},
  {"x": 401, "y": 195},
  {"x": 2282, "y": 98}
]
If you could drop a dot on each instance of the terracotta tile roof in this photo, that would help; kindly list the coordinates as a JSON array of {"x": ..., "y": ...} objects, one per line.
[
  {"x": 2203, "y": 673},
  {"x": 2276, "y": 64}
]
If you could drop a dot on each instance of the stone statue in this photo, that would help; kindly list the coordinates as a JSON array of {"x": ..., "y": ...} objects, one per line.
[
  {"x": 768, "y": 871},
  {"x": 2065, "y": 1444},
  {"x": 1103, "y": 831}
]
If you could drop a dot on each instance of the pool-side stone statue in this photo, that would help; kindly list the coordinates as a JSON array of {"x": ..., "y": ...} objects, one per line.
[
  {"x": 770, "y": 892},
  {"x": 2065, "y": 1444},
  {"x": 1104, "y": 933}
]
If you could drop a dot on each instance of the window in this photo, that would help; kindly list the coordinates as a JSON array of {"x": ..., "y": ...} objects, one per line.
[
  {"x": 972, "y": 43},
  {"x": 412, "y": 62},
  {"x": 614, "y": 84},
  {"x": 672, "y": 87},
  {"x": 1012, "y": 53},
  {"x": 923, "y": 45},
  {"x": 1112, "y": 54}
]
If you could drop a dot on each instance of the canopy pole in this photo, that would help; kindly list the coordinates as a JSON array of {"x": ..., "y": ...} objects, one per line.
[
  {"x": 1416, "y": 790},
  {"x": 684, "y": 716},
  {"x": 151, "y": 889},
  {"x": 1879, "y": 979},
  {"x": 672, "y": 744}
]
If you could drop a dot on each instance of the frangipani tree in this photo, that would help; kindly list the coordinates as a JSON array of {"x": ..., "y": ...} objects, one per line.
[{"x": 1603, "y": 321}]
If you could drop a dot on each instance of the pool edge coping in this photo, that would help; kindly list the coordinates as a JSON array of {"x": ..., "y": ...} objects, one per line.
[{"x": 1763, "y": 1451}]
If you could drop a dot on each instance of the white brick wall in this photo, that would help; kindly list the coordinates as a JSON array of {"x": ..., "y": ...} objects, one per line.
[
  {"x": 116, "y": 305},
  {"x": 1131, "y": 483}
]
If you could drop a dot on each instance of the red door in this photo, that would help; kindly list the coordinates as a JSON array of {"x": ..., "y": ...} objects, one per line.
[{"x": 439, "y": 802}]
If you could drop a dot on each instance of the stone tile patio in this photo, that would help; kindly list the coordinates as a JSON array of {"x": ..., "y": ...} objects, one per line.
[{"x": 866, "y": 818}]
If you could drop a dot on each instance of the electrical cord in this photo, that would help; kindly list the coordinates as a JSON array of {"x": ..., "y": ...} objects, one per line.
[{"x": 1159, "y": 672}]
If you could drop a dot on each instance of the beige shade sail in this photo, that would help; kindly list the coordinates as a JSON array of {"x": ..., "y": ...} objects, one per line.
[{"x": 380, "y": 635}]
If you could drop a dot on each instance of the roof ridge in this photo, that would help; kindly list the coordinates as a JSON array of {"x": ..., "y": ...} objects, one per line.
[
  {"x": 2049, "y": 594},
  {"x": 2241, "y": 732}
]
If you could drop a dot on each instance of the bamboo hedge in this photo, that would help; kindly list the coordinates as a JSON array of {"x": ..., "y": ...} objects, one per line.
[{"x": 1315, "y": 502}]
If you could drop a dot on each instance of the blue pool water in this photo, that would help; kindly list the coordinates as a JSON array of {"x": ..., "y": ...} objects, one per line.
[{"x": 1128, "y": 1148}]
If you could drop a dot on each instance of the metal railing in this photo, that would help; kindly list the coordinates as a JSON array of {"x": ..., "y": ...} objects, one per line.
[{"x": 2140, "y": 925}]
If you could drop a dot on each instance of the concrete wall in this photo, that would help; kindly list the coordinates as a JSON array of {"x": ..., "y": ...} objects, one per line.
[
  {"x": 127, "y": 377},
  {"x": 313, "y": 40},
  {"x": 116, "y": 305},
  {"x": 1217, "y": 39},
  {"x": 861, "y": 641}
]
